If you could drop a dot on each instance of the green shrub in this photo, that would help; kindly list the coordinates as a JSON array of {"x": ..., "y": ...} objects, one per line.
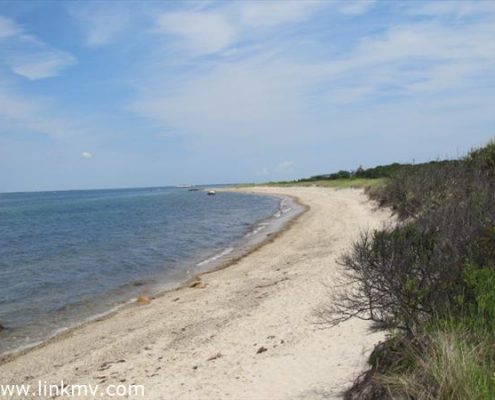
[
  {"x": 393, "y": 281},
  {"x": 480, "y": 305},
  {"x": 432, "y": 276}
]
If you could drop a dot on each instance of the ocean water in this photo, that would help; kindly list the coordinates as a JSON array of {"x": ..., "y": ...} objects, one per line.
[{"x": 68, "y": 256}]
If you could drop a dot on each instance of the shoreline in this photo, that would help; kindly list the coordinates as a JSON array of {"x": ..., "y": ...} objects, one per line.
[
  {"x": 247, "y": 331},
  {"x": 267, "y": 237},
  {"x": 241, "y": 248}
]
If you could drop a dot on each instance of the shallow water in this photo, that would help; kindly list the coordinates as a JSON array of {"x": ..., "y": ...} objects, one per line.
[{"x": 67, "y": 256}]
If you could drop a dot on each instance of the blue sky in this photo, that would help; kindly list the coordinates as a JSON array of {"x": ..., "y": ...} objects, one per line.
[{"x": 124, "y": 94}]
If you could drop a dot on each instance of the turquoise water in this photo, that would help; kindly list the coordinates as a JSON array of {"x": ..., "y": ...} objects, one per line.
[{"x": 66, "y": 256}]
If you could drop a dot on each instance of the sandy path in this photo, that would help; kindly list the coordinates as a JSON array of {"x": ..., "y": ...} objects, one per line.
[{"x": 265, "y": 300}]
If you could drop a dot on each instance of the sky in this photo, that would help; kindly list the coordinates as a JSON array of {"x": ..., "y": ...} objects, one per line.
[{"x": 132, "y": 94}]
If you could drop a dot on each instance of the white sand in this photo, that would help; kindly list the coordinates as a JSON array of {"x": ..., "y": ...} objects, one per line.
[{"x": 266, "y": 299}]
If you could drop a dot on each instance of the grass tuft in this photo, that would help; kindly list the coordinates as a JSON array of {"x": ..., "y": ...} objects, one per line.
[{"x": 453, "y": 365}]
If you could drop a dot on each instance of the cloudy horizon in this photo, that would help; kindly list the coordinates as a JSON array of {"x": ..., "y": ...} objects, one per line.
[{"x": 133, "y": 94}]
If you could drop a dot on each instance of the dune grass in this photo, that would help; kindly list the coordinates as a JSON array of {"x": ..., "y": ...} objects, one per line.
[{"x": 453, "y": 363}]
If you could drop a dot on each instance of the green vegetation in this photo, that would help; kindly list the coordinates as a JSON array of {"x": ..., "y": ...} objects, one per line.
[
  {"x": 335, "y": 183},
  {"x": 370, "y": 178},
  {"x": 429, "y": 280},
  {"x": 448, "y": 362}
]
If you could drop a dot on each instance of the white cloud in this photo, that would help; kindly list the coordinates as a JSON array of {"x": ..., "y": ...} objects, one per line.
[
  {"x": 241, "y": 99},
  {"x": 42, "y": 62},
  {"x": 86, "y": 154},
  {"x": 31, "y": 58},
  {"x": 410, "y": 59},
  {"x": 102, "y": 22},
  {"x": 357, "y": 7},
  {"x": 271, "y": 13},
  {"x": 203, "y": 32},
  {"x": 453, "y": 8},
  {"x": 28, "y": 56},
  {"x": 8, "y": 28},
  {"x": 267, "y": 95}
]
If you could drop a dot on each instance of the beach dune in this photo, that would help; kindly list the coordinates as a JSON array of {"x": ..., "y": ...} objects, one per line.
[{"x": 243, "y": 332}]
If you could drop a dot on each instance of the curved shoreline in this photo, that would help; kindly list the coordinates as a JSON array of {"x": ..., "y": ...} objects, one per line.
[
  {"x": 270, "y": 237},
  {"x": 247, "y": 331},
  {"x": 238, "y": 254}
]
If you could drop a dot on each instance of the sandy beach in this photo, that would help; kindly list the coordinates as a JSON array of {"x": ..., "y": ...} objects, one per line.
[{"x": 243, "y": 332}]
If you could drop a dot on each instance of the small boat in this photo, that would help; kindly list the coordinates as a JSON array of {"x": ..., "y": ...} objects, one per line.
[{"x": 211, "y": 193}]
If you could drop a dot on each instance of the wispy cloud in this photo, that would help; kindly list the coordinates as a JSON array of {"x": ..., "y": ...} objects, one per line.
[
  {"x": 420, "y": 57},
  {"x": 28, "y": 56},
  {"x": 215, "y": 29},
  {"x": 356, "y": 7},
  {"x": 42, "y": 62},
  {"x": 202, "y": 32},
  {"x": 272, "y": 13},
  {"x": 102, "y": 23},
  {"x": 454, "y": 8},
  {"x": 274, "y": 94},
  {"x": 255, "y": 98},
  {"x": 8, "y": 28}
]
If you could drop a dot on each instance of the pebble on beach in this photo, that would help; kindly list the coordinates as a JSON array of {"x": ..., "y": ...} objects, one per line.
[
  {"x": 198, "y": 285},
  {"x": 143, "y": 300}
]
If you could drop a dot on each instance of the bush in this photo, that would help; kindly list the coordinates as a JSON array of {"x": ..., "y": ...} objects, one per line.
[
  {"x": 406, "y": 275},
  {"x": 392, "y": 282},
  {"x": 411, "y": 191},
  {"x": 435, "y": 268}
]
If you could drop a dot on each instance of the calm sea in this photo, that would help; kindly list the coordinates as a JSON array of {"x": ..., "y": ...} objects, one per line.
[{"x": 68, "y": 256}]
